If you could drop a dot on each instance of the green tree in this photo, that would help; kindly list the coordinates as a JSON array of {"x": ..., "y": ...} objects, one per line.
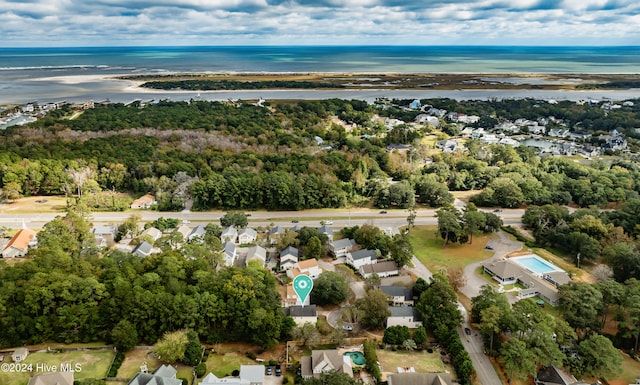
[
  {"x": 374, "y": 309},
  {"x": 314, "y": 248},
  {"x": 474, "y": 223},
  {"x": 395, "y": 335},
  {"x": 599, "y": 357},
  {"x": 331, "y": 378},
  {"x": 372, "y": 282},
  {"x": 11, "y": 191},
  {"x": 400, "y": 249},
  {"x": 420, "y": 335},
  {"x": 409, "y": 344},
  {"x": 237, "y": 219},
  {"x": 193, "y": 351},
  {"x": 449, "y": 226},
  {"x": 330, "y": 288},
  {"x": 171, "y": 347},
  {"x": 307, "y": 334},
  {"x": 490, "y": 323},
  {"x": 581, "y": 304},
  {"x": 124, "y": 336},
  {"x": 518, "y": 360}
]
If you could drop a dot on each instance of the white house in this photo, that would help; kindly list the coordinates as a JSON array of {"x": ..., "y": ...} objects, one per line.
[
  {"x": 341, "y": 247},
  {"x": 398, "y": 295},
  {"x": 230, "y": 234},
  {"x": 143, "y": 249},
  {"x": 322, "y": 361},
  {"x": 308, "y": 267},
  {"x": 360, "y": 258},
  {"x": 249, "y": 375},
  {"x": 230, "y": 253},
  {"x": 288, "y": 258},
  {"x": 303, "y": 314},
  {"x": 197, "y": 232},
  {"x": 247, "y": 235},
  {"x": 20, "y": 243},
  {"x": 144, "y": 202},
  {"x": 404, "y": 316},
  {"x": 256, "y": 253},
  {"x": 152, "y": 233},
  {"x": 326, "y": 230},
  {"x": 165, "y": 375},
  {"x": 276, "y": 233},
  {"x": 104, "y": 235}
]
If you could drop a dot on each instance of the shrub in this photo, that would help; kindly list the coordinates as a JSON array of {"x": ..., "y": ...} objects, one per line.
[
  {"x": 201, "y": 369},
  {"x": 117, "y": 362},
  {"x": 251, "y": 355}
]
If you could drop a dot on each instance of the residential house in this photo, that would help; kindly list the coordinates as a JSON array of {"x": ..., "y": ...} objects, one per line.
[
  {"x": 288, "y": 258},
  {"x": 536, "y": 129},
  {"x": 341, "y": 247},
  {"x": 229, "y": 253},
  {"x": 19, "y": 354},
  {"x": 55, "y": 378},
  {"x": 326, "y": 230},
  {"x": 302, "y": 314},
  {"x": 552, "y": 375},
  {"x": 419, "y": 379},
  {"x": 164, "y": 375},
  {"x": 509, "y": 142},
  {"x": 247, "y": 235},
  {"x": 184, "y": 230},
  {"x": 143, "y": 249},
  {"x": 558, "y": 132},
  {"x": 308, "y": 267},
  {"x": 579, "y": 135},
  {"x": 230, "y": 234},
  {"x": 399, "y": 147},
  {"x": 197, "y": 232},
  {"x": 415, "y": 104},
  {"x": 322, "y": 361},
  {"x": 104, "y": 235},
  {"x": 426, "y": 119},
  {"x": 382, "y": 269},
  {"x": 404, "y": 316},
  {"x": 249, "y": 375},
  {"x": 275, "y": 234},
  {"x": 437, "y": 112},
  {"x": 153, "y": 233},
  {"x": 290, "y": 298},
  {"x": 257, "y": 253},
  {"x": 447, "y": 145},
  {"x": 467, "y": 132},
  {"x": 398, "y": 295},
  {"x": 20, "y": 243},
  {"x": 144, "y": 202},
  {"x": 359, "y": 258}
]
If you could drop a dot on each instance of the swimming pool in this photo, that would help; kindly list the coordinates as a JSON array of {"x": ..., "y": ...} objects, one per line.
[
  {"x": 356, "y": 357},
  {"x": 536, "y": 264}
]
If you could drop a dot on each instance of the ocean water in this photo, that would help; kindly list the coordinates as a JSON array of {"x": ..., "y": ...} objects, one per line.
[{"x": 54, "y": 74}]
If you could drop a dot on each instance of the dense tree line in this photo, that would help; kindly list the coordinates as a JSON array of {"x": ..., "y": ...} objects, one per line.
[{"x": 66, "y": 293}]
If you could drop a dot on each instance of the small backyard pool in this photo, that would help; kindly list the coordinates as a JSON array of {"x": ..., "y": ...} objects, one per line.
[{"x": 356, "y": 357}]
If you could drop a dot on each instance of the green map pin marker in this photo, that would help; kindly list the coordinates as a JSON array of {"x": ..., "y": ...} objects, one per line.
[{"x": 302, "y": 285}]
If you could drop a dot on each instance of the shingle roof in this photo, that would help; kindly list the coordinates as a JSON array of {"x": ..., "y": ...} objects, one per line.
[
  {"x": 308, "y": 264},
  {"x": 380, "y": 267},
  {"x": 364, "y": 253},
  {"x": 419, "y": 379},
  {"x": 289, "y": 250},
  {"x": 302, "y": 311},
  {"x": 57, "y": 378},
  {"x": 404, "y": 311},
  {"x": 398, "y": 291},
  {"x": 343, "y": 243}
]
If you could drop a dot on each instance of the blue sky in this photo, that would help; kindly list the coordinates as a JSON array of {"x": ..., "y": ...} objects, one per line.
[{"x": 38, "y": 23}]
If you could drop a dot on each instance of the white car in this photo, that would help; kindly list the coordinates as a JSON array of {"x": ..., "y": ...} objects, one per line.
[{"x": 328, "y": 222}]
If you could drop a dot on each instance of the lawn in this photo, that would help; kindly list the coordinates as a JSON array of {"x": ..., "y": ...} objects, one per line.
[
  {"x": 134, "y": 359},
  {"x": 630, "y": 371},
  {"x": 428, "y": 249},
  {"x": 222, "y": 364},
  {"x": 422, "y": 362},
  {"x": 92, "y": 364}
]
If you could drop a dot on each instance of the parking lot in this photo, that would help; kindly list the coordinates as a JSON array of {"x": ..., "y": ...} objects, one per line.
[{"x": 273, "y": 379}]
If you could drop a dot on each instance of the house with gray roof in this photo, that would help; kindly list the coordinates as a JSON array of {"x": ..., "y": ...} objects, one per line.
[
  {"x": 323, "y": 361},
  {"x": 276, "y": 233},
  {"x": 164, "y": 375},
  {"x": 184, "y": 230},
  {"x": 288, "y": 258},
  {"x": 404, "y": 316},
  {"x": 398, "y": 295},
  {"x": 326, "y": 230},
  {"x": 104, "y": 235},
  {"x": 341, "y": 247},
  {"x": 197, "y": 232},
  {"x": 230, "y": 234},
  {"x": 230, "y": 253},
  {"x": 359, "y": 258},
  {"x": 419, "y": 379},
  {"x": 55, "y": 378},
  {"x": 153, "y": 233},
  {"x": 382, "y": 269},
  {"x": 553, "y": 375},
  {"x": 302, "y": 314},
  {"x": 256, "y": 253},
  {"x": 247, "y": 235},
  {"x": 249, "y": 375},
  {"x": 144, "y": 249}
]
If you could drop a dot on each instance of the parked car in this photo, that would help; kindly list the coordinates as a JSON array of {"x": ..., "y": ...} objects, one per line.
[
  {"x": 278, "y": 371},
  {"x": 269, "y": 371},
  {"x": 348, "y": 328},
  {"x": 467, "y": 331},
  {"x": 488, "y": 247},
  {"x": 383, "y": 212},
  {"x": 328, "y": 222},
  {"x": 294, "y": 221}
]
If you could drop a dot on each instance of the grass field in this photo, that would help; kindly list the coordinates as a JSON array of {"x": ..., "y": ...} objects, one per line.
[
  {"x": 134, "y": 359},
  {"x": 92, "y": 364},
  {"x": 428, "y": 249},
  {"x": 422, "y": 362},
  {"x": 223, "y": 364}
]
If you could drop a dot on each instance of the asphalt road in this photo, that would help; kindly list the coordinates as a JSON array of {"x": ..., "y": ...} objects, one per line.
[{"x": 338, "y": 218}]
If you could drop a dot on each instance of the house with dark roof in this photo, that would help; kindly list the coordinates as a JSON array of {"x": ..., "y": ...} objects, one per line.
[
  {"x": 553, "y": 375},
  {"x": 104, "y": 235},
  {"x": 20, "y": 243},
  {"x": 382, "y": 269},
  {"x": 164, "y": 375},
  {"x": 419, "y": 379},
  {"x": 302, "y": 314},
  {"x": 326, "y": 230},
  {"x": 398, "y": 295},
  {"x": 197, "y": 232},
  {"x": 276, "y": 233},
  {"x": 359, "y": 258},
  {"x": 404, "y": 316},
  {"x": 323, "y": 361},
  {"x": 55, "y": 378}
]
